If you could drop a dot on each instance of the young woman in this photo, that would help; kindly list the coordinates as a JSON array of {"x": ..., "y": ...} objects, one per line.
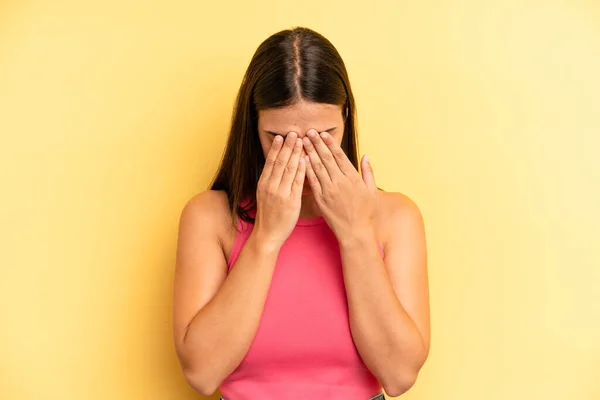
[{"x": 296, "y": 277}]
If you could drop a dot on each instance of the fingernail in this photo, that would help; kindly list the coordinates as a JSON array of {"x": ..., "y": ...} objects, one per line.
[
  {"x": 366, "y": 157},
  {"x": 324, "y": 135}
]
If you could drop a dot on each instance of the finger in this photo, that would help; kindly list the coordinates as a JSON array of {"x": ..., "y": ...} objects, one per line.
[
  {"x": 271, "y": 157},
  {"x": 298, "y": 183},
  {"x": 313, "y": 181},
  {"x": 289, "y": 173},
  {"x": 316, "y": 164},
  {"x": 283, "y": 158},
  {"x": 367, "y": 172},
  {"x": 339, "y": 155},
  {"x": 324, "y": 154}
]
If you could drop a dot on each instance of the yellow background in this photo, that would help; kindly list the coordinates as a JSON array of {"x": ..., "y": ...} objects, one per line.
[{"x": 114, "y": 113}]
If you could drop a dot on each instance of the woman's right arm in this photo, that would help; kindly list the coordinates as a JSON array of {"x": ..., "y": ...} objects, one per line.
[{"x": 216, "y": 315}]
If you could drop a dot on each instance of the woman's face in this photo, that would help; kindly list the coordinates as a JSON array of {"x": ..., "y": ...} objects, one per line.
[{"x": 300, "y": 118}]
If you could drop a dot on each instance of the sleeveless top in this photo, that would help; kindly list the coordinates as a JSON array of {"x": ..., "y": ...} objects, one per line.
[{"x": 303, "y": 348}]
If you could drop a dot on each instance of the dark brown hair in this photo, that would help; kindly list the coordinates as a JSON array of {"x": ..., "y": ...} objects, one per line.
[{"x": 291, "y": 65}]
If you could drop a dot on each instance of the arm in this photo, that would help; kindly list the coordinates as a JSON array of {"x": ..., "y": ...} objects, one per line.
[
  {"x": 208, "y": 302},
  {"x": 389, "y": 300}
]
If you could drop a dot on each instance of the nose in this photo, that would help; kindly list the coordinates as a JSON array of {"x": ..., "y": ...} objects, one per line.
[{"x": 301, "y": 136}]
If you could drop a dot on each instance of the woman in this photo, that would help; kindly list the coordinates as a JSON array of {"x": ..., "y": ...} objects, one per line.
[{"x": 296, "y": 277}]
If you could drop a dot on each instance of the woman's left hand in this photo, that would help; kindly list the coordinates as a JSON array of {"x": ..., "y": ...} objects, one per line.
[{"x": 346, "y": 199}]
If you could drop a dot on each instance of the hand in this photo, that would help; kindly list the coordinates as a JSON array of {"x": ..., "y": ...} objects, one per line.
[
  {"x": 346, "y": 200},
  {"x": 279, "y": 191}
]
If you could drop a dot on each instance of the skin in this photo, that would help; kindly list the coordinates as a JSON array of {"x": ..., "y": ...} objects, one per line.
[
  {"x": 388, "y": 299},
  {"x": 299, "y": 118}
]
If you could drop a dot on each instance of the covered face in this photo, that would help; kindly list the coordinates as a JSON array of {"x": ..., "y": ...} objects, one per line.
[{"x": 300, "y": 118}]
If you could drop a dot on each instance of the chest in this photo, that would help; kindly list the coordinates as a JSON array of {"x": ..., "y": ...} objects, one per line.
[{"x": 305, "y": 317}]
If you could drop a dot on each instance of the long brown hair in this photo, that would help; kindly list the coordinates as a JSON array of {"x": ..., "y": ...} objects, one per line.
[{"x": 291, "y": 65}]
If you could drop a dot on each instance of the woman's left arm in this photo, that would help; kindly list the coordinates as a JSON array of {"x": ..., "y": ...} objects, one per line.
[{"x": 388, "y": 299}]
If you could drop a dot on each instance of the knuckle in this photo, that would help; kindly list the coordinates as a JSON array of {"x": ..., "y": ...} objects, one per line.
[
  {"x": 290, "y": 169},
  {"x": 280, "y": 196},
  {"x": 329, "y": 195},
  {"x": 279, "y": 162},
  {"x": 327, "y": 157},
  {"x": 271, "y": 190}
]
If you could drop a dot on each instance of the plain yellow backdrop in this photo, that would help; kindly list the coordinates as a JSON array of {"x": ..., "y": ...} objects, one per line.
[{"x": 114, "y": 113}]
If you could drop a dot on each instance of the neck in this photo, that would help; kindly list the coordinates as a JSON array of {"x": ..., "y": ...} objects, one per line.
[{"x": 309, "y": 208}]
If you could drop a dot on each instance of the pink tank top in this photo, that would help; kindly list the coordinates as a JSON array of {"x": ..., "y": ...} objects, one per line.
[{"x": 303, "y": 348}]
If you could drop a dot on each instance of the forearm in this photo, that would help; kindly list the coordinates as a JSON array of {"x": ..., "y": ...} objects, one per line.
[
  {"x": 384, "y": 334},
  {"x": 220, "y": 335}
]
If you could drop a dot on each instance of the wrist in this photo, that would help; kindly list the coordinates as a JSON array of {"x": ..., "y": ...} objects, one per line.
[
  {"x": 263, "y": 244},
  {"x": 356, "y": 236}
]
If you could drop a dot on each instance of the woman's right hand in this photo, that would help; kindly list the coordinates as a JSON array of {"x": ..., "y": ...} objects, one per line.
[{"x": 279, "y": 191}]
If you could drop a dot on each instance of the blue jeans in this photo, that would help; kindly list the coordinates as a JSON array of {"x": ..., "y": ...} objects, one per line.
[{"x": 380, "y": 396}]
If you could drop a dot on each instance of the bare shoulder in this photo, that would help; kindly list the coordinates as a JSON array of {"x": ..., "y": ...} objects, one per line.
[
  {"x": 210, "y": 204},
  {"x": 394, "y": 203},
  {"x": 396, "y": 211},
  {"x": 207, "y": 211}
]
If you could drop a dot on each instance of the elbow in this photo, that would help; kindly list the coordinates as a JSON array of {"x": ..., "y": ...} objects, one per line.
[
  {"x": 198, "y": 376},
  {"x": 200, "y": 382},
  {"x": 405, "y": 378},
  {"x": 400, "y": 384}
]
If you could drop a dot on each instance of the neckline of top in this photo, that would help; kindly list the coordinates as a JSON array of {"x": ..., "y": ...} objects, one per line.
[{"x": 311, "y": 221}]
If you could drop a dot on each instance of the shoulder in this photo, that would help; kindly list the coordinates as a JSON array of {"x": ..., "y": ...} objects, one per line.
[
  {"x": 398, "y": 205},
  {"x": 208, "y": 210},
  {"x": 398, "y": 214},
  {"x": 210, "y": 204}
]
